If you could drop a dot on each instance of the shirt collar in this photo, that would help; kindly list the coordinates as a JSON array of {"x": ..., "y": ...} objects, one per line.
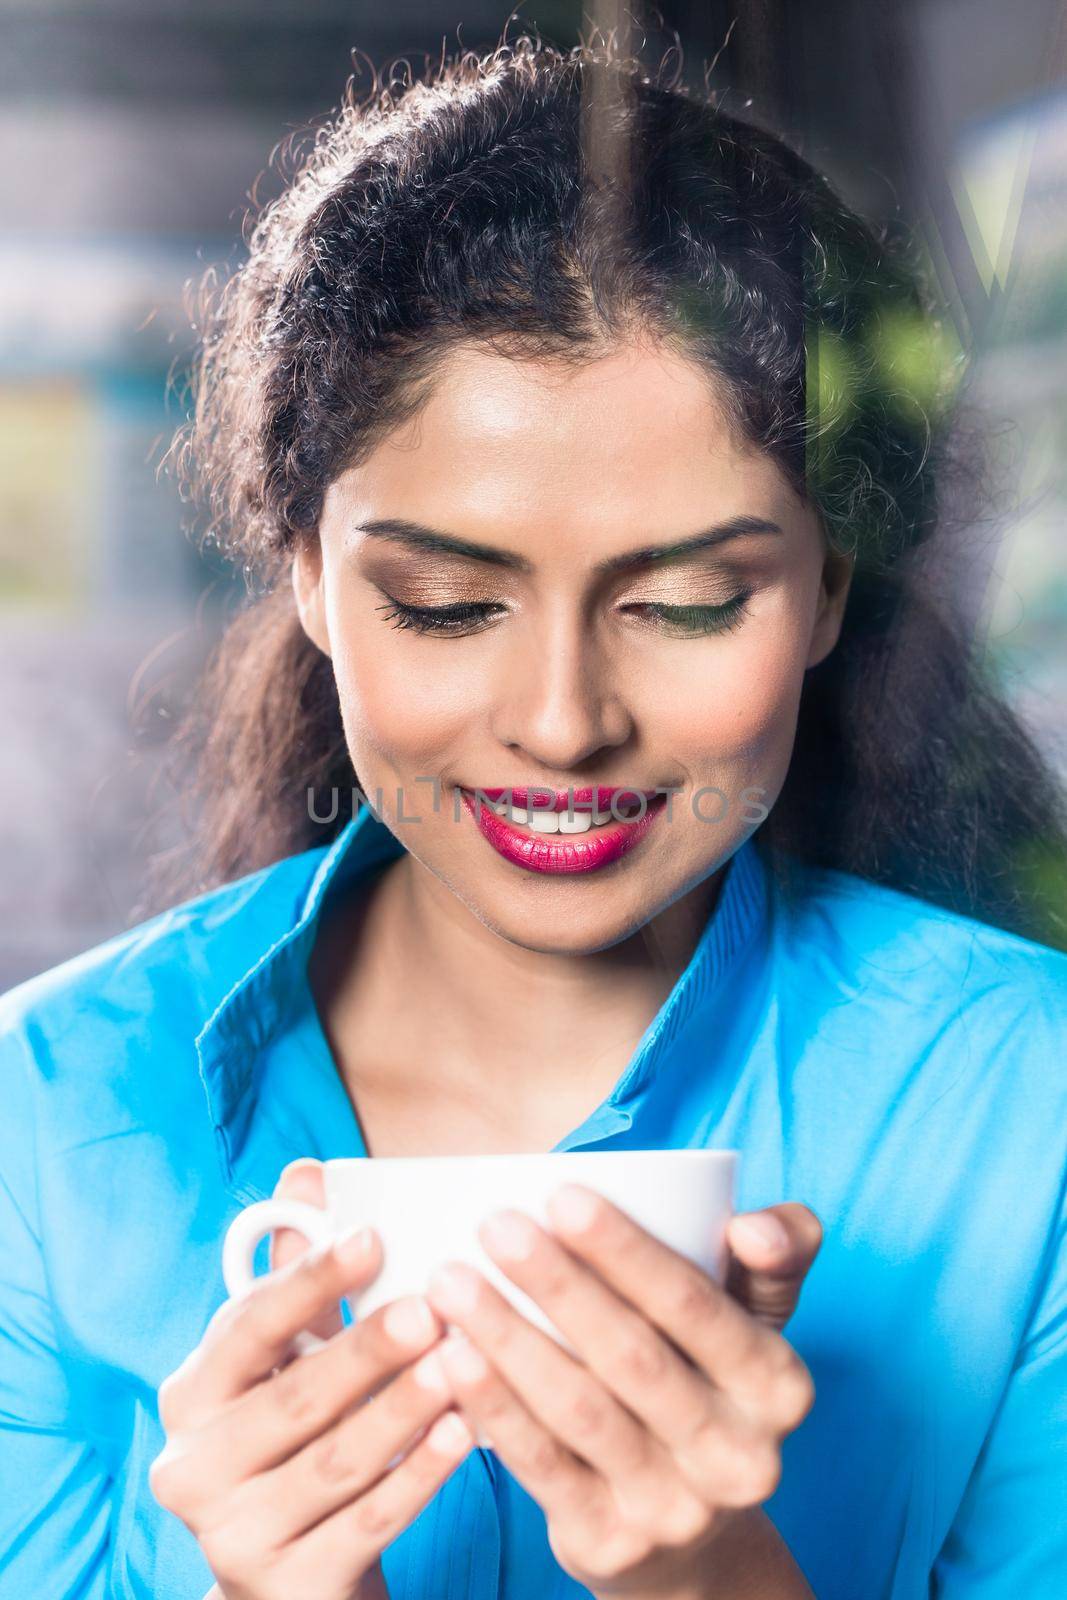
[
  {"x": 740, "y": 910},
  {"x": 260, "y": 1003}
]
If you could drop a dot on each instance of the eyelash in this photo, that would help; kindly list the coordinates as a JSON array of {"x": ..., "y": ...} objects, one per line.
[{"x": 452, "y": 620}]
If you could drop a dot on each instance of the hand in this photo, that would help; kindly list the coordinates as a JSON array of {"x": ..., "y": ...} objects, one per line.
[
  {"x": 649, "y": 1450},
  {"x": 287, "y": 1472}
]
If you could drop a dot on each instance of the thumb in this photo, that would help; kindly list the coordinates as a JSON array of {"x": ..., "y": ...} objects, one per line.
[
  {"x": 301, "y": 1180},
  {"x": 771, "y": 1252}
]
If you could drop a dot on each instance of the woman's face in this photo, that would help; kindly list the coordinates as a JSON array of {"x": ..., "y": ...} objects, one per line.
[{"x": 568, "y": 632}]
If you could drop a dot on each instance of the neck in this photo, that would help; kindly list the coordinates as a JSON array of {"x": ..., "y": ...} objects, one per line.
[{"x": 420, "y": 998}]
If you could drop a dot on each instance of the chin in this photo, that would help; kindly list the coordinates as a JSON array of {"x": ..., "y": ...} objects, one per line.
[{"x": 562, "y": 926}]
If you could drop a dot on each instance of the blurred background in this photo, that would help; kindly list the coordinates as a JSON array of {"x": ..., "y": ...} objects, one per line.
[{"x": 136, "y": 132}]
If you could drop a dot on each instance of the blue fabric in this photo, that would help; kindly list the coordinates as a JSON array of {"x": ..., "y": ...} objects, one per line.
[{"x": 898, "y": 1068}]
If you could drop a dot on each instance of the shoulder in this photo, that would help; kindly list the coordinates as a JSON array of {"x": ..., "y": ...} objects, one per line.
[
  {"x": 874, "y": 933},
  {"x": 159, "y": 979},
  {"x": 909, "y": 1031},
  {"x": 917, "y": 964}
]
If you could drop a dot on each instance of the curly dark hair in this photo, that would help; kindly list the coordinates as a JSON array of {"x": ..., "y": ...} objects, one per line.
[{"x": 554, "y": 204}]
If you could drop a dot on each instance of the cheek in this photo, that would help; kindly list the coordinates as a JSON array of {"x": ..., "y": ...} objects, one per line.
[
  {"x": 739, "y": 703},
  {"x": 399, "y": 706}
]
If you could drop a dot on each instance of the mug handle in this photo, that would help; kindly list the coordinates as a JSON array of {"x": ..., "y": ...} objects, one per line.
[{"x": 254, "y": 1223}]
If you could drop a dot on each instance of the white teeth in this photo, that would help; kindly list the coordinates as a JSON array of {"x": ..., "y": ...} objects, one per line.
[{"x": 542, "y": 821}]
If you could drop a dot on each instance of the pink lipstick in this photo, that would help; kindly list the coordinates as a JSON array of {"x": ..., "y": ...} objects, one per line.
[{"x": 583, "y": 851}]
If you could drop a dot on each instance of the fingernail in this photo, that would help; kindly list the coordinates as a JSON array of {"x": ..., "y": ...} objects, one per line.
[
  {"x": 762, "y": 1228},
  {"x": 510, "y": 1234},
  {"x": 450, "y": 1435},
  {"x": 462, "y": 1360},
  {"x": 573, "y": 1209},
  {"x": 410, "y": 1321},
  {"x": 454, "y": 1288},
  {"x": 351, "y": 1249},
  {"x": 429, "y": 1373}
]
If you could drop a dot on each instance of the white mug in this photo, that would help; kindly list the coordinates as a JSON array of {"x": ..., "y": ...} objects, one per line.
[{"x": 426, "y": 1210}]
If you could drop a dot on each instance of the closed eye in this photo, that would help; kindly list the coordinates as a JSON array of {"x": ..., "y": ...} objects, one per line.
[
  {"x": 439, "y": 619},
  {"x": 692, "y": 621}
]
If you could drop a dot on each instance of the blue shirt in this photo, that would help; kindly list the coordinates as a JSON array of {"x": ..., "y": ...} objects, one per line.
[{"x": 898, "y": 1068}]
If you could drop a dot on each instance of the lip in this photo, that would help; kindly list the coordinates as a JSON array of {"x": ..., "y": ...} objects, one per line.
[
  {"x": 555, "y": 853},
  {"x": 558, "y": 799}
]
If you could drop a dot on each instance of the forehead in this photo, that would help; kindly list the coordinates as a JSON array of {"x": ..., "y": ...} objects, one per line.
[{"x": 614, "y": 449}]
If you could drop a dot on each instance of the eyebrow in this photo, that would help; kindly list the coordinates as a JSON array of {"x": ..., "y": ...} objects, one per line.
[{"x": 417, "y": 536}]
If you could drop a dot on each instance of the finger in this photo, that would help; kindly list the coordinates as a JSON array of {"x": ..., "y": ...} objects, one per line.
[
  {"x": 733, "y": 1349},
  {"x": 728, "y": 1461},
  {"x": 249, "y": 1336},
  {"x": 545, "y": 1467},
  {"x": 349, "y": 1541},
  {"x": 360, "y": 1530},
  {"x": 278, "y": 1417},
  {"x": 630, "y": 1356},
  {"x": 302, "y": 1180},
  {"x": 558, "y": 1390},
  {"x": 771, "y": 1254},
  {"x": 349, "y": 1458},
  {"x": 581, "y": 1501}
]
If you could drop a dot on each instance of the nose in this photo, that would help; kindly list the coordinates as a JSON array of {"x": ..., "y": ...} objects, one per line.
[{"x": 558, "y": 700}]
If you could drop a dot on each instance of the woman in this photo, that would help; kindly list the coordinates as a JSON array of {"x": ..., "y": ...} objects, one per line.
[{"x": 585, "y": 443}]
